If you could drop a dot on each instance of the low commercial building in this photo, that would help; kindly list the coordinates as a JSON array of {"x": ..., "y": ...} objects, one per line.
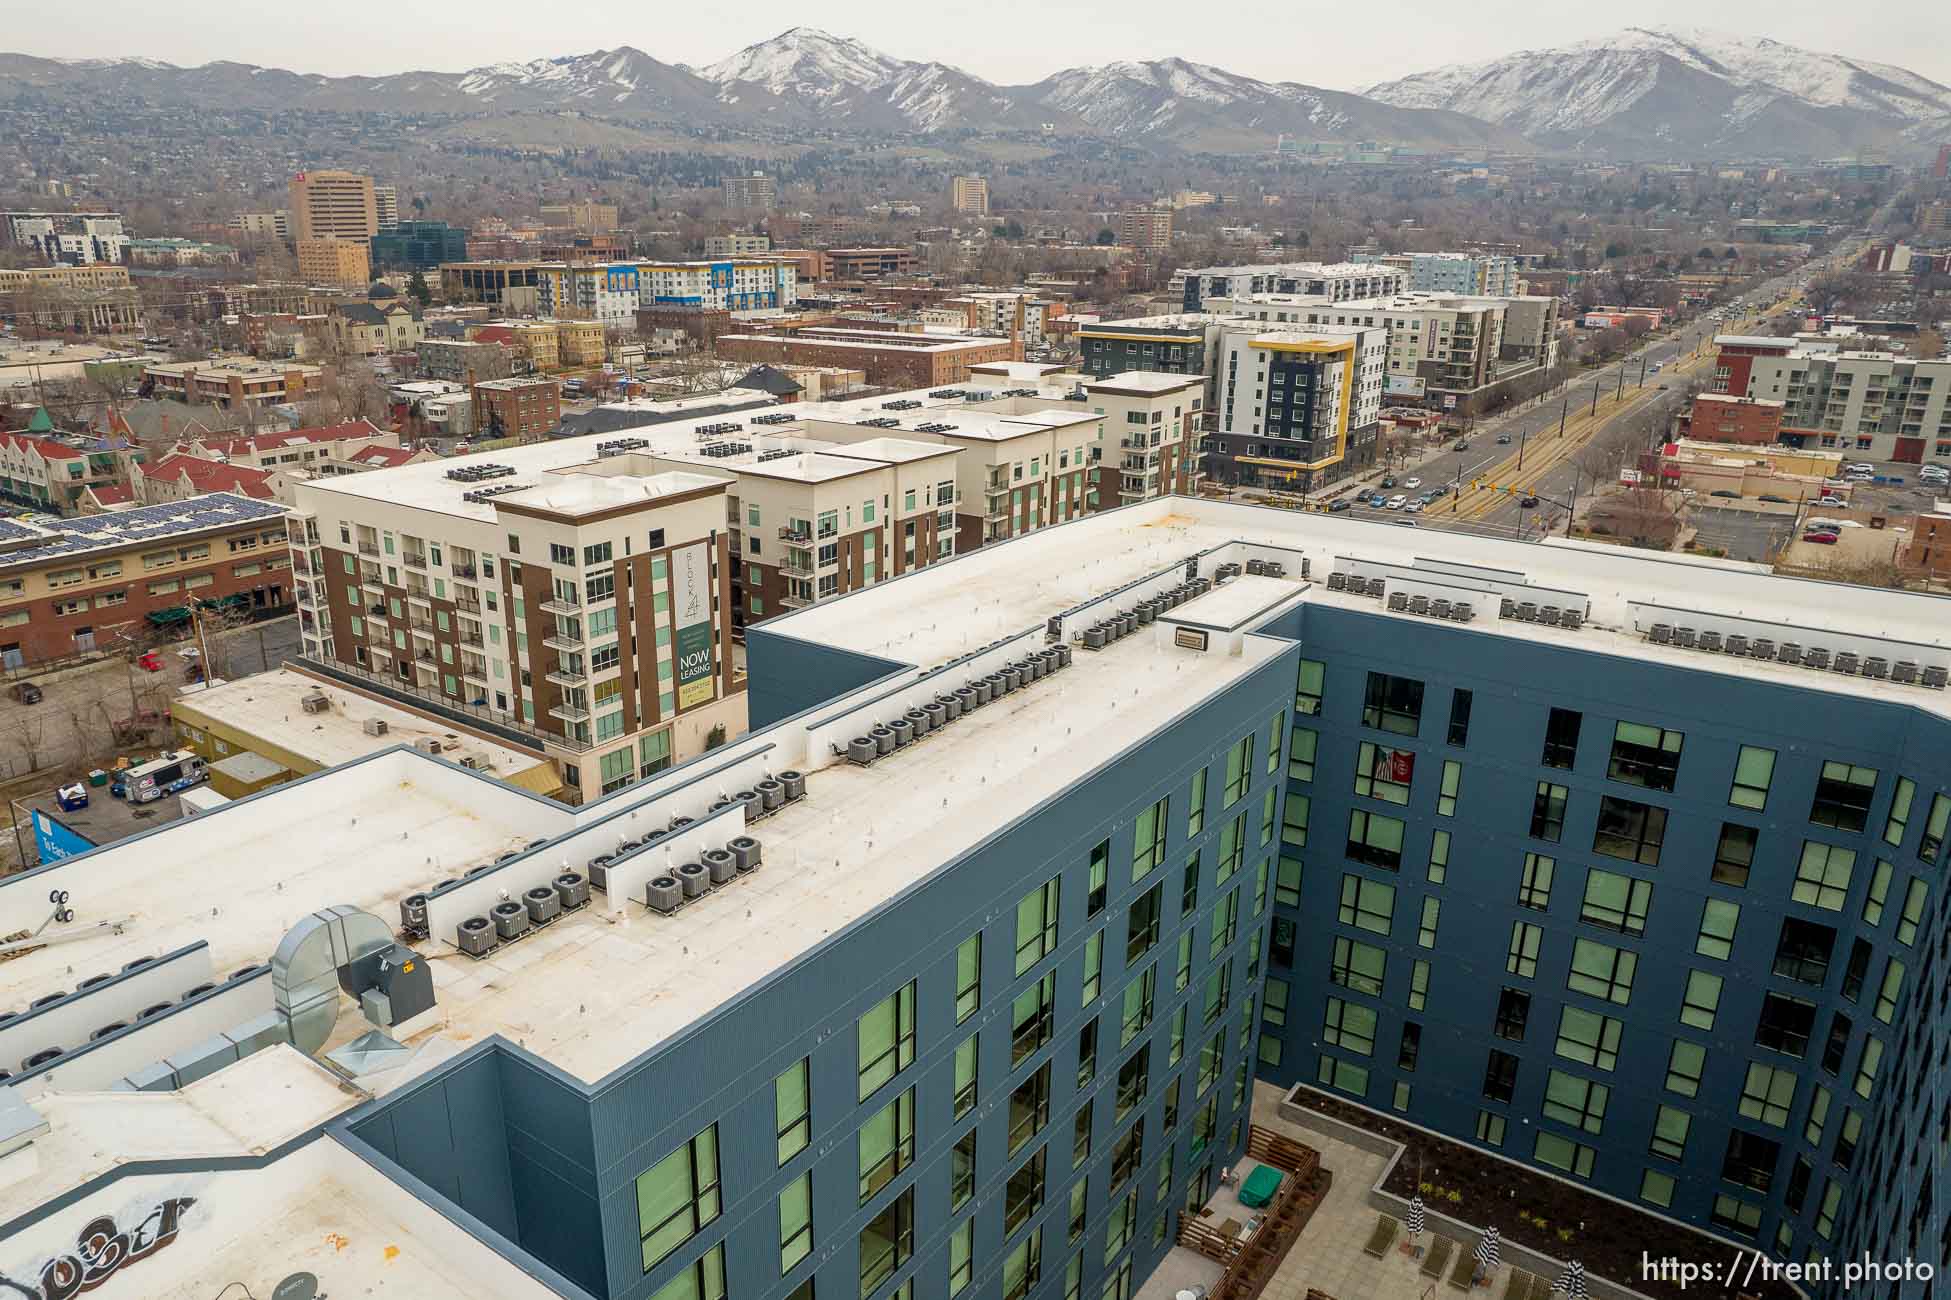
[
  {"x": 869, "y": 263},
  {"x": 87, "y": 299},
  {"x": 1717, "y": 417},
  {"x": 580, "y": 342},
  {"x": 1705, "y": 466},
  {"x": 888, "y": 358},
  {"x": 231, "y": 382},
  {"x": 93, "y": 582},
  {"x": 344, "y": 262},
  {"x": 303, "y": 722}
]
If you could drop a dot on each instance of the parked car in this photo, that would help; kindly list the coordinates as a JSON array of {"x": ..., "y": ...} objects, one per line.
[
  {"x": 26, "y": 692},
  {"x": 1412, "y": 483},
  {"x": 1820, "y": 539},
  {"x": 1461, "y": 444},
  {"x": 1772, "y": 500},
  {"x": 1528, "y": 503},
  {"x": 1723, "y": 492},
  {"x": 1827, "y": 500},
  {"x": 1340, "y": 506},
  {"x": 1414, "y": 507},
  {"x": 1397, "y": 502},
  {"x": 1388, "y": 481},
  {"x": 1377, "y": 501}
]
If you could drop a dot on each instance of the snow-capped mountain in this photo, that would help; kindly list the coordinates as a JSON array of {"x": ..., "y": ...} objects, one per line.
[
  {"x": 1197, "y": 104},
  {"x": 1644, "y": 91}
]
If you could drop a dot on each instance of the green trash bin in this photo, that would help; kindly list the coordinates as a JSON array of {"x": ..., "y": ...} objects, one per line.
[{"x": 98, "y": 778}]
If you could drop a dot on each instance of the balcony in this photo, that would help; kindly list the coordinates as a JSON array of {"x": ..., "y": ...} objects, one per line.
[
  {"x": 422, "y": 627},
  {"x": 467, "y": 571},
  {"x": 557, "y": 605},
  {"x": 413, "y": 559},
  {"x": 377, "y": 612},
  {"x": 420, "y": 597},
  {"x": 470, "y": 638},
  {"x": 795, "y": 536},
  {"x": 567, "y": 677},
  {"x": 557, "y": 641},
  {"x": 569, "y": 712},
  {"x": 472, "y": 608},
  {"x": 306, "y": 599},
  {"x": 795, "y": 602}
]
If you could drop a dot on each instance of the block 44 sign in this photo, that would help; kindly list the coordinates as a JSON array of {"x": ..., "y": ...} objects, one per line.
[{"x": 103, "y": 1248}]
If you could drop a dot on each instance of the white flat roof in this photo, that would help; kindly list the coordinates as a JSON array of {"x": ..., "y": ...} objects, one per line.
[
  {"x": 1147, "y": 381},
  {"x": 267, "y": 705}
]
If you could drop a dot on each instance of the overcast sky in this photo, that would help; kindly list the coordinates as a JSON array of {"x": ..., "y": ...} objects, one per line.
[{"x": 1339, "y": 46}]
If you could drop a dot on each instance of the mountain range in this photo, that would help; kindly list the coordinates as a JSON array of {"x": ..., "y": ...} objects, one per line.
[
  {"x": 1690, "y": 93},
  {"x": 1639, "y": 94}
]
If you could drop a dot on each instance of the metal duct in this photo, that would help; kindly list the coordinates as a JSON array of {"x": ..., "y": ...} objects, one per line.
[{"x": 314, "y": 963}]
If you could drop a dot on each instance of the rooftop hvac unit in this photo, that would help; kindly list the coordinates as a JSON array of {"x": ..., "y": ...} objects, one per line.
[
  {"x": 1876, "y": 666},
  {"x": 413, "y": 915},
  {"x": 795, "y": 783},
  {"x": 1737, "y": 644},
  {"x": 1337, "y": 582},
  {"x": 1904, "y": 670},
  {"x": 511, "y": 919},
  {"x": 1507, "y": 608},
  {"x": 427, "y": 745},
  {"x": 1463, "y": 611},
  {"x": 599, "y": 871},
  {"x": 1816, "y": 657},
  {"x": 772, "y": 795},
  {"x": 571, "y": 890},
  {"x": 476, "y": 936},
  {"x": 1710, "y": 640},
  {"x": 1571, "y": 618},
  {"x": 694, "y": 878},
  {"x": 1418, "y": 604},
  {"x": 745, "y": 853},
  {"x": 664, "y": 894},
  {"x": 374, "y": 726},
  {"x": 1376, "y": 586},
  {"x": 114, "y": 1026},
  {"x": 1790, "y": 653},
  {"x": 1762, "y": 647},
  {"x": 1439, "y": 608},
  {"x": 722, "y": 865},
  {"x": 1934, "y": 677},
  {"x": 543, "y": 904},
  {"x": 316, "y": 702},
  {"x": 862, "y": 750},
  {"x": 1683, "y": 637},
  {"x": 1527, "y": 611},
  {"x": 1398, "y": 601},
  {"x": 1847, "y": 661},
  {"x": 883, "y": 738},
  {"x": 904, "y": 731},
  {"x": 473, "y": 761}
]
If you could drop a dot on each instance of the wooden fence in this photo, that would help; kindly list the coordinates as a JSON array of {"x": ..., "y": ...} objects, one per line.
[{"x": 1250, "y": 1261}]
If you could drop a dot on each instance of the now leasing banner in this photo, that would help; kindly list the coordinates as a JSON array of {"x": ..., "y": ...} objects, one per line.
[{"x": 691, "y": 605}]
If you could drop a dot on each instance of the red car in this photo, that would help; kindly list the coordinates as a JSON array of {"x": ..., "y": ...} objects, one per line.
[
  {"x": 1820, "y": 539},
  {"x": 151, "y": 662}
]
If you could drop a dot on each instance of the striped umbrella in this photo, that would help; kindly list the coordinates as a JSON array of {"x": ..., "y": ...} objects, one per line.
[
  {"x": 1487, "y": 1256},
  {"x": 1572, "y": 1281},
  {"x": 1416, "y": 1223}
]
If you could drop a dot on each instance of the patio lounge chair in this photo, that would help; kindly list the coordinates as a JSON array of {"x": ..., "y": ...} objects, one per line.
[
  {"x": 1382, "y": 1238},
  {"x": 1540, "y": 1287},
  {"x": 1438, "y": 1259},
  {"x": 1518, "y": 1285},
  {"x": 1464, "y": 1274}
]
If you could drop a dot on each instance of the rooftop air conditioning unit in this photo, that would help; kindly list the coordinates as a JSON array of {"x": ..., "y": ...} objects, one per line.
[
  {"x": 474, "y": 761},
  {"x": 374, "y": 726},
  {"x": 315, "y": 703},
  {"x": 427, "y": 745}
]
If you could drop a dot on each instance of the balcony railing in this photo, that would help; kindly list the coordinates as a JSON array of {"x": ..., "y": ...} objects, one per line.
[
  {"x": 567, "y": 677},
  {"x": 556, "y": 641},
  {"x": 797, "y": 536},
  {"x": 470, "y": 638},
  {"x": 413, "y": 560},
  {"x": 569, "y": 712},
  {"x": 377, "y": 611},
  {"x": 369, "y": 548},
  {"x": 557, "y": 605},
  {"x": 424, "y": 598},
  {"x": 464, "y": 571}
]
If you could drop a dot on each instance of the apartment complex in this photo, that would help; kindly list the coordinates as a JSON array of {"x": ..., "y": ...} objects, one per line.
[
  {"x": 1492, "y": 274},
  {"x": 1147, "y": 227},
  {"x": 1337, "y": 282},
  {"x": 719, "y": 247},
  {"x": 969, "y": 195},
  {"x": 108, "y": 581},
  {"x": 580, "y": 599},
  {"x": 1297, "y": 407},
  {"x": 333, "y": 205},
  {"x": 527, "y": 409},
  {"x": 51, "y": 473},
  {"x": 231, "y": 382},
  {"x": 920, "y": 1063},
  {"x": 1873, "y": 405},
  {"x": 346, "y": 263},
  {"x": 1445, "y": 349},
  {"x": 462, "y": 360},
  {"x": 67, "y": 238},
  {"x": 1177, "y": 344},
  {"x": 386, "y": 206},
  {"x": 753, "y": 191},
  {"x": 1151, "y": 435}
]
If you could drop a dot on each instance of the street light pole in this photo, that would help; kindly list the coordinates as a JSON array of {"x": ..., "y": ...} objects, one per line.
[
  {"x": 1564, "y": 411},
  {"x": 1522, "y": 434}
]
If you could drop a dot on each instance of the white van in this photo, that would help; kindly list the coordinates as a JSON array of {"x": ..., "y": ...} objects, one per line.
[{"x": 165, "y": 775}]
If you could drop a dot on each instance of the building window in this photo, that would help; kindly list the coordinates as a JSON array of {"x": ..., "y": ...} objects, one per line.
[
  {"x": 1031, "y": 1018},
  {"x": 1368, "y": 904},
  {"x": 1239, "y": 770},
  {"x": 1100, "y": 869},
  {"x": 795, "y": 1222},
  {"x": 1645, "y": 756},
  {"x": 1571, "y": 1100},
  {"x": 1142, "y": 924},
  {"x": 702, "y": 1279},
  {"x": 968, "y": 977},
  {"x": 1768, "y": 1095},
  {"x": 1802, "y": 951},
  {"x": 1459, "y": 734},
  {"x": 1670, "y": 1126},
  {"x": 1374, "y": 839},
  {"x": 1148, "y": 844},
  {"x": 678, "y": 1196},
  {"x": 1196, "y": 804},
  {"x": 1036, "y": 922},
  {"x": 1500, "y": 1076},
  {"x": 1753, "y": 770},
  {"x": 1139, "y": 997},
  {"x": 1350, "y": 1026},
  {"x": 1561, "y": 738},
  {"x": 1563, "y": 1153},
  {"x": 1393, "y": 704},
  {"x": 1301, "y": 746},
  {"x": 886, "y": 1037},
  {"x": 1601, "y": 971},
  {"x": 886, "y": 1144},
  {"x": 1822, "y": 875},
  {"x": 1718, "y": 919},
  {"x": 1686, "y": 1064},
  {"x": 1616, "y": 902},
  {"x": 792, "y": 1112},
  {"x": 1490, "y": 1128},
  {"x": 887, "y": 1242},
  {"x": 1357, "y": 966},
  {"x": 1702, "y": 1000},
  {"x": 1548, "y": 812},
  {"x": 1629, "y": 830},
  {"x": 1588, "y": 1037},
  {"x": 1843, "y": 794},
  {"x": 961, "y": 1257},
  {"x": 1023, "y": 1194},
  {"x": 1526, "y": 940},
  {"x": 1750, "y": 1162},
  {"x": 1513, "y": 1014},
  {"x": 1383, "y": 773},
  {"x": 1307, "y": 687},
  {"x": 1734, "y": 854}
]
